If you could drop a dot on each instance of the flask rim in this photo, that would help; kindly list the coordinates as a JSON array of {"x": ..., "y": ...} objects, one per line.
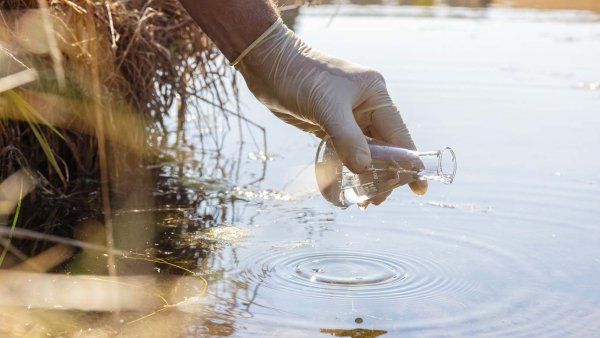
[{"x": 447, "y": 177}]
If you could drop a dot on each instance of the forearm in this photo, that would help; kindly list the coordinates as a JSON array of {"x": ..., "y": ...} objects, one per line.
[{"x": 232, "y": 24}]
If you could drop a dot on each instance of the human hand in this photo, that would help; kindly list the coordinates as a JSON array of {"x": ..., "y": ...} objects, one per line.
[{"x": 325, "y": 96}]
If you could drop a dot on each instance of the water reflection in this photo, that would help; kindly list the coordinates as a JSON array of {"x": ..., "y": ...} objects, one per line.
[
  {"x": 354, "y": 333},
  {"x": 468, "y": 3},
  {"x": 455, "y": 3},
  {"x": 534, "y": 4},
  {"x": 484, "y": 259},
  {"x": 279, "y": 265},
  {"x": 416, "y": 2}
]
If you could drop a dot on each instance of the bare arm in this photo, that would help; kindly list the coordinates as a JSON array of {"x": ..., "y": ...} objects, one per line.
[{"x": 232, "y": 24}]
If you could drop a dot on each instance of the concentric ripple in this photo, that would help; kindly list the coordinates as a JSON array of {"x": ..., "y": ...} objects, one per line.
[
  {"x": 352, "y": 275},
  {"x": 348, "y": 269}
]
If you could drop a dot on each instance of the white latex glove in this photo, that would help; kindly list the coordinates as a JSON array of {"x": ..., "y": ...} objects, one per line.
[{"x": 325, "y": 96}]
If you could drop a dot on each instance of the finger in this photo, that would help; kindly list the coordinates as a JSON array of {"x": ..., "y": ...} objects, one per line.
[
  {"x": 348, "y": 140},
  {"x": 387, "y": 125}
]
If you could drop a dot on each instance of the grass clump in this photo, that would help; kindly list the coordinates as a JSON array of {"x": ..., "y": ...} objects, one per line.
[{"x": 86, "y": 92}]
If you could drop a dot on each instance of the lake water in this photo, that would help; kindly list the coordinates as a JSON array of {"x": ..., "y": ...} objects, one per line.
[{"x": 512, "y": 248}]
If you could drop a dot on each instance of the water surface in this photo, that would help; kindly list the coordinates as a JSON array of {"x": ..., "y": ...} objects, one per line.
[{"x": 512, "y": 248}]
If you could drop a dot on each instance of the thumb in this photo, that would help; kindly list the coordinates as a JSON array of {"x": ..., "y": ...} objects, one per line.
[{"x": 348, "y": 140}]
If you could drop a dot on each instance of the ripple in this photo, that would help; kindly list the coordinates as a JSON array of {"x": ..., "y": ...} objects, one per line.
[
  {"x": 347, "y": 269},
  {"x": 439, "y": 282},
  {"x": 344, "y": 274},
  {"x": 438, "y": 272}
]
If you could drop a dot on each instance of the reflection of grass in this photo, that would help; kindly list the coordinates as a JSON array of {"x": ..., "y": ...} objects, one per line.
[{"x": 355, "y": 333}]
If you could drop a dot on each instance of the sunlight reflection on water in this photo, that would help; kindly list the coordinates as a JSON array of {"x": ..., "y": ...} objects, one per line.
[
  {"x": 506, "y": 251},
  {"x": 510, "y": 249}
]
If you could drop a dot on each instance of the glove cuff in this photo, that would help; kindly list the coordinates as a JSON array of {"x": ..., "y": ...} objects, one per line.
[{"x": 257, "y": 42}]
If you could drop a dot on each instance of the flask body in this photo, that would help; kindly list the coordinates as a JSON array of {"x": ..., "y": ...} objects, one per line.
[{"x": 390, "y": 168}]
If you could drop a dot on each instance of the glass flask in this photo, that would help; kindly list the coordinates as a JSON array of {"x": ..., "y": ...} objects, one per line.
[{"x": 390, "y": 168}]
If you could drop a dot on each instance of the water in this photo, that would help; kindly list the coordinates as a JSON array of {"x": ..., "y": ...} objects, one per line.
[{"x": 512, "y": 248}]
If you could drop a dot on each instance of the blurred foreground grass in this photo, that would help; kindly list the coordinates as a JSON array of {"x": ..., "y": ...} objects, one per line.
[{"x": 88, "y": 90}]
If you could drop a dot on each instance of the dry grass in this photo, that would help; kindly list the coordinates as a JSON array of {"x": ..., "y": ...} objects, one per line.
[{"x": 86, "y": 88}]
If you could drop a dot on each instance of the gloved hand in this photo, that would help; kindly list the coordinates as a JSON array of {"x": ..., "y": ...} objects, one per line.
[{"x": 325, "y": 96}]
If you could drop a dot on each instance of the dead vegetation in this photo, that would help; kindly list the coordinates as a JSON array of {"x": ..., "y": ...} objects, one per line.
[
  {"x": 88, "y": 86},
  {"x": 87, "y": 93}
]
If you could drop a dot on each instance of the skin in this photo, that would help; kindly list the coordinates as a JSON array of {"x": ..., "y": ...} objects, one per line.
[{"x": 234, "y": 24}]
